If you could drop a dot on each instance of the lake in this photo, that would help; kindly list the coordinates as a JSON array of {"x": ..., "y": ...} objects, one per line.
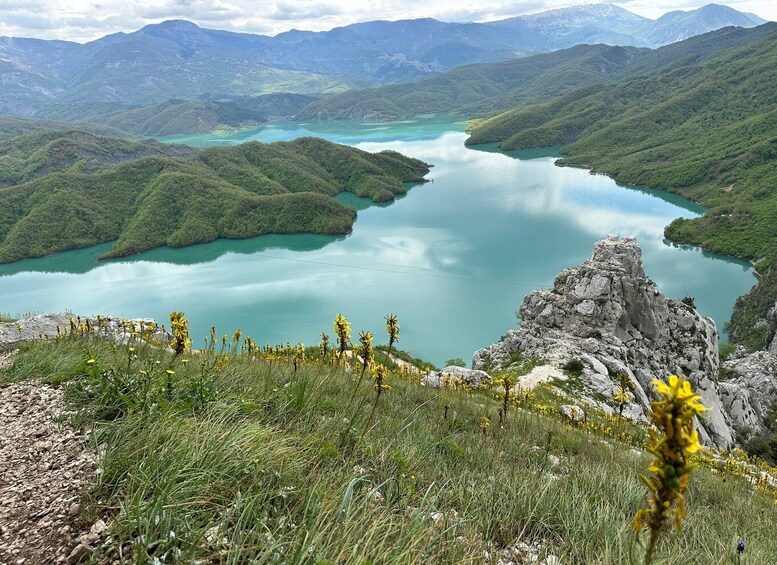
[{"x": 452, "y": 259}]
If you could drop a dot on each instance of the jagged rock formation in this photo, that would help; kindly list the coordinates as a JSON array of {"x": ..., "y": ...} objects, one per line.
[
  {"x": 608, "y": 316},
  {"x": 750, "y": 389}
]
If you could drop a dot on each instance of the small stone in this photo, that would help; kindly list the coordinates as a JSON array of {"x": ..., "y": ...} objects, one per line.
[{"x": 79, "y": 554}]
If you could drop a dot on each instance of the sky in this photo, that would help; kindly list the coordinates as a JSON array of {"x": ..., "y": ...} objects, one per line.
[{"x": 85, "y": 20}]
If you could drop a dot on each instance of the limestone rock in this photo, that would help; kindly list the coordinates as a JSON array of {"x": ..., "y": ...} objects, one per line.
[
  {"x": 572, "y": 412},
  {"x": 454, "y": 376},
  {"x": 750, "y": 389},
  {"x": 608, "y": 315},
  {"x": 46, "y": 325}
]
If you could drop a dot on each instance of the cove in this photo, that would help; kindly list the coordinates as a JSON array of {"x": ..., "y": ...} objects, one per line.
[{"x": 452, "y": 259}]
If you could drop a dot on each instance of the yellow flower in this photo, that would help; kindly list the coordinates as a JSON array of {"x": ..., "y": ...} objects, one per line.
[
  {"x": 676, "y": 440},
  {"x": 91, "y": 362},
  {"x": 170, "y": 372}
]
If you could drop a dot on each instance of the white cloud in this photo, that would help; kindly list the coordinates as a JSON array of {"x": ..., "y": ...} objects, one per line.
[{"x": 84, "y": 20}]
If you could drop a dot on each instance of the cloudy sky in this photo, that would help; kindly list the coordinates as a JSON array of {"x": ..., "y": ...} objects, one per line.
[{"x": 84, "y": 20}]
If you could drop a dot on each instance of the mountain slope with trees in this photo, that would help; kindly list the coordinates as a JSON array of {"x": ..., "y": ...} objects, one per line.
[
  {"x": 486, "y": 88},
  {"x": 232, "y": 192}
]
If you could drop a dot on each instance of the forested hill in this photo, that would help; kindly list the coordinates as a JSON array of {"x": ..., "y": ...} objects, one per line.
[
  {"x": 486, "y": 88},
  {"x": 232, "y": 192},
  {"x": 706, "y": 131},
  {"x": 36, "y": 155}
]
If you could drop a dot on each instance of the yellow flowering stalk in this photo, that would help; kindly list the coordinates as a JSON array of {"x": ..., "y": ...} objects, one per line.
[
  {"x": 622, "y": 395},
  {"x": 343, "y": 333},
  {"x": 672, "y": 447},
  {"x": 365, "y": 339},
  {"x": 485, "y": 423},
  {"x": 179, "y": 326},
  {"x": 392, "y": 328},
  {"x": 323, "y": 345}
]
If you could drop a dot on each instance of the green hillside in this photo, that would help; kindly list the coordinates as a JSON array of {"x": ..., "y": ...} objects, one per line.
[
  {"x": 478, "y": 88},
  {"x": 183, "y": 117},
  {"x": 282, "y": 455},
  {"x": 180, "y": 117},
  {"x": 486, "y": 88},
  {"x": 14, "y": 126},
  {"x": 707, "y": 132},
  {"x": 233, "y": 192},
  {"x": 35, "y": 155}
]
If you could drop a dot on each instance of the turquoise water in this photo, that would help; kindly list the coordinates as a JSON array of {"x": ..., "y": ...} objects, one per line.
[{"x": 453, "y": 259}]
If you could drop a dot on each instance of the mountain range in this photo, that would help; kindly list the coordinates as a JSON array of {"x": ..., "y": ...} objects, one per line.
[{"x": 179, "y": 60}]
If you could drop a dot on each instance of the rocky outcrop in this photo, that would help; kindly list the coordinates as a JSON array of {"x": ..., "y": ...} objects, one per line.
[
  {"x": 749, "y": 390},
  {"x": 455, "y": 376},
  {"x": 49, "y": 325},
  {"x": 607, "y": 318}
]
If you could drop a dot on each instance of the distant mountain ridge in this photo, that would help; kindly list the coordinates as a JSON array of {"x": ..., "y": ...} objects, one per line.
[
  {"x": 179, "y": 60},
  {"x": 486, "y": 88}
]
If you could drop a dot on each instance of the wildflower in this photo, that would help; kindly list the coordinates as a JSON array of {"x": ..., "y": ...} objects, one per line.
[
  {"x": 485, "y": 423},
  {"x": 740, "y": 546},
  {"x": 131, "y": 350},
  {"x": 343, "y": 333},
  {"x": 91, "y": 362},
  {"x": 179, "y": 326},
  {"x": 170, "y": 372},
  {"x": 673, "y": 415},
  {"x": 365, "y": 338},
  {"x": 324, "y": 344},
  {"x": 622, "y": 395},
  {"x": 392, "y": 328}
]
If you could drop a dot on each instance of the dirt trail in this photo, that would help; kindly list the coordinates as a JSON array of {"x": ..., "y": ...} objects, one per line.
[{"x": 43, "y": 471}]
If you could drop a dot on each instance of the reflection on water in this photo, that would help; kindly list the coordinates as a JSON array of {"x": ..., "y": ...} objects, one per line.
[{"x": 453, "y": 258}]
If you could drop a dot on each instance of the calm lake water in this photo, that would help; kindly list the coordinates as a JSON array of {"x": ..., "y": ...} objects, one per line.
[{"x": 453, "y": 259}]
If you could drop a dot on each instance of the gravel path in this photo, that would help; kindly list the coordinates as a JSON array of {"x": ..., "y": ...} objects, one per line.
[{"x": 43, "y": 471}]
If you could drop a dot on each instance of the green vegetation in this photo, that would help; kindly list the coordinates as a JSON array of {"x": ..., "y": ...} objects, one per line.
[
  {"x": 232, "y": 192},
  {"x": 183, "y": 117},
  {"x": 35, "y": 155},
  {"x": 706, "y": 131},
  {"x": 478, "y": 88},
  {"x": 486, "y": 88},
  {"x": 263, "y": 456},
  {"x": 14, "y": 126}
]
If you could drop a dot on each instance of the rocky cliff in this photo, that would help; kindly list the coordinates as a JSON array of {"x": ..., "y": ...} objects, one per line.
[{"x": 607, "y": 318}]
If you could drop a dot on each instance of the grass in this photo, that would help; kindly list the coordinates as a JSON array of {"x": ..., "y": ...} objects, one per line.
[{"x": 234, "y": 459}]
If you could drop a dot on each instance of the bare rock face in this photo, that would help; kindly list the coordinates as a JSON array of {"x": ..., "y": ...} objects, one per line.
[
  {"x": 750, "y": 389},
  {"x": 606, "y": 314}
]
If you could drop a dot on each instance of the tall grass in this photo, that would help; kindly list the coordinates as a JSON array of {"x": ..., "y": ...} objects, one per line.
[{"x": 268, "y": 469}]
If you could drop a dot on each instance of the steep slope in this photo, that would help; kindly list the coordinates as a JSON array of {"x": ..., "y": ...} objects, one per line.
[
  {"x": 492, "y": 87},
  {"x": 482, "y": 87},
  {"x": 708, "y": 132},
  {"x": 608, "y": 318},
  {"x": 679, "y": 25},
  {"x": 233, "y": 192}
]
